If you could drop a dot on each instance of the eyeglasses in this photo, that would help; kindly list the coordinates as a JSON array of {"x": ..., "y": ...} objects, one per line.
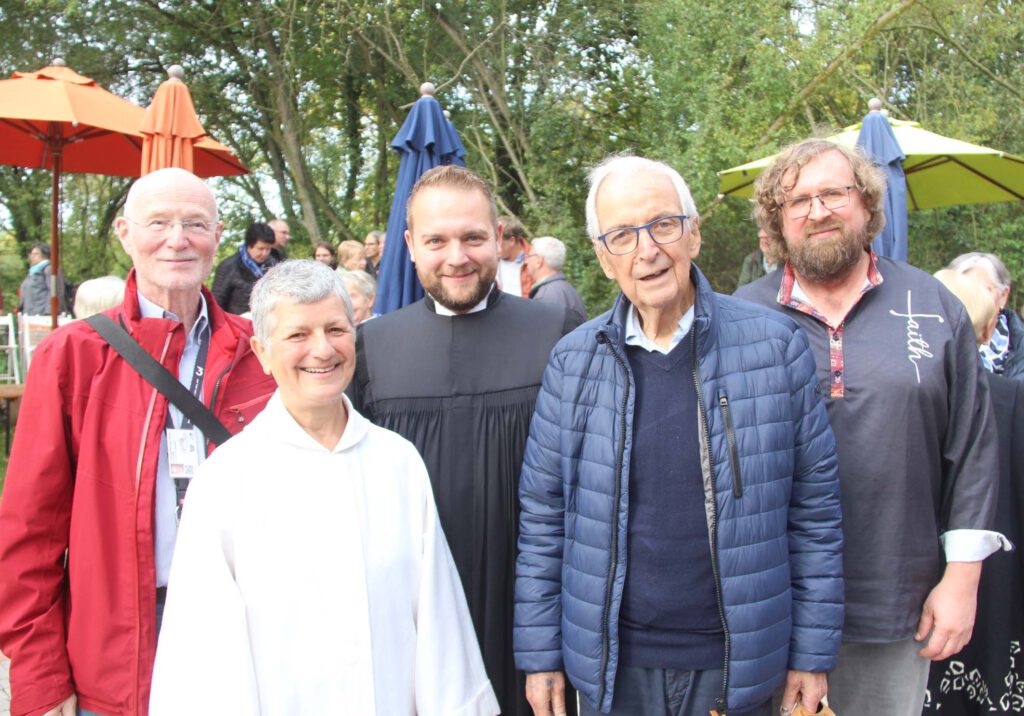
[
  {"x": 799, "y": 207},
  {"x": 666, "y": 230},
  {"x": 161, "y": 228}
]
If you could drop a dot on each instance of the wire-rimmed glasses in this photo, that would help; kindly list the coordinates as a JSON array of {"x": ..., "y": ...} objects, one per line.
[{"x": 836, "y": 197}]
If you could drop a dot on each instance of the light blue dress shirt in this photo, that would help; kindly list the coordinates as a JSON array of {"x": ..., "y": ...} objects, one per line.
[{"x": 165, "y": 513}]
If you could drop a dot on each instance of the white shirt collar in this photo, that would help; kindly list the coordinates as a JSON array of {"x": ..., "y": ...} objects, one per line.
[
  {"x": 636, "y": 337},
  {"x": 445, "y": 311}
]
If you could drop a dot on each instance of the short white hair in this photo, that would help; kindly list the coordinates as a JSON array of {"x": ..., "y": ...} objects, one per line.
[
  {"x": 551, "y": 250},
  {"x": 360, "y": 281},
  {"x": 97, "y": 295},
  {"x": 627, "y": 163},
  {"x": 299, "y": 281},
  {"x": 990, "y": 263}
]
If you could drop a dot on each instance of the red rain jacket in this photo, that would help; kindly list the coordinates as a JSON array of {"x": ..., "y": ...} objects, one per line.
[{"x": 81, "y": 480}]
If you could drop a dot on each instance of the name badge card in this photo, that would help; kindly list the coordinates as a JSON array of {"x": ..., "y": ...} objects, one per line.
[{"x": 182, "y": 453}]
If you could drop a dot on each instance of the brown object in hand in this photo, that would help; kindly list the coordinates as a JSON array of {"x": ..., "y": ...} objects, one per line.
[{"x": 801, "y": 711}]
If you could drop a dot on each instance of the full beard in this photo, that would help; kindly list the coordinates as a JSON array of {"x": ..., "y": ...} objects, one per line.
[
  {"x": 826, "y": 260},
  {"x": 461, "y": 303}
]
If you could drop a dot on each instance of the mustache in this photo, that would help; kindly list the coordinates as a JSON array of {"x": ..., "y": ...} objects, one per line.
[{"x": 810, "y": 228}]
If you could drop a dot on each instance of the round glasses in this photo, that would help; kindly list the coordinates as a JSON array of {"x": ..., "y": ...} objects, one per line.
[{"x": 624, "y": 240}]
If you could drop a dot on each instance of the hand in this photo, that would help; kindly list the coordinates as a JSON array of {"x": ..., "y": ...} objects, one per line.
[
  {"x": 948, "y": 613},
  {"x": 809, "y": 687},
  {"x": 545, "y": 691},
  {"x": 66, "y": 708}
]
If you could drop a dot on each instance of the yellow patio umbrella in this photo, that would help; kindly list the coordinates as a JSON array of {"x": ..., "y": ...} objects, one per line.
[{"x": 940, "y": 171}]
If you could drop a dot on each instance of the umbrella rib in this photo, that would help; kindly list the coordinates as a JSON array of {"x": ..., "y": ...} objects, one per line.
[
  {"x": 739, "y": 187},
  {"x": 27, "y": 128},
  {"x": 913, "y": 199},
  {"x": 927, "y": 164},
  {"x": 990, "y": 180}
]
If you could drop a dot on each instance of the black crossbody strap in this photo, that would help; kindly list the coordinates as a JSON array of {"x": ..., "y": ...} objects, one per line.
[{"x": 159, "y": 377}]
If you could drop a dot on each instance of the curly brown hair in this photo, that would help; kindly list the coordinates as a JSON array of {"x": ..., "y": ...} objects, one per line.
[{"x": 781, "y": 176}]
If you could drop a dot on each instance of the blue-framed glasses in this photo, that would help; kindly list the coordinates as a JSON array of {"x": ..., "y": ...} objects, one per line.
[{"x": 624, "y": 240}]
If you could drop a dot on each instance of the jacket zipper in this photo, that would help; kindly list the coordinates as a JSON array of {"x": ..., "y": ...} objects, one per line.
[
  {"x": 135, "y": 542},
  {"x": 722, "y": 702},
  {"x": 213, "y": 398},
  {"x": 730, "y": 440},
  {"x": 614, "y": 561}
]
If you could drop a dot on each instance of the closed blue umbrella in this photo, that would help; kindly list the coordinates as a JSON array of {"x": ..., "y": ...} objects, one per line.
[
  {"x": 427, "y": 139},
  {"x": 879, "y": 143}
]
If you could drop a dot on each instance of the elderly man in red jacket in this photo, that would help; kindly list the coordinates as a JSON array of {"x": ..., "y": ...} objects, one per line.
[{"x": 101, "y": 460}]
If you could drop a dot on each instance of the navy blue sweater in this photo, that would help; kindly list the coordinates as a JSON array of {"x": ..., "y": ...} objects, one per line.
[{"x": 669, "y": 617}]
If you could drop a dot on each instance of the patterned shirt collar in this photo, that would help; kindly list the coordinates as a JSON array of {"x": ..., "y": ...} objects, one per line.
[{"x": 791, "y": 295}]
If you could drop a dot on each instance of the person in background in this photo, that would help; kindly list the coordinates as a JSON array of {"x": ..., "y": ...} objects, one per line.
[
  {"x": 237, "y": 274},
  {"x": 985, "y": 677},
  {"x": 759, "y": 262},
  {"x": 362, "y": 291},
  {"x": 311, "y": 575},
  {"x": 512, "y": 275},
  {"x": 374, "y": 249},
  {"x": 97, "y": 295},
  {"x": 544, "y": 265},
  {"x": 35, "y": 289},
  {"x": 325, "y": 253},
  {"x": 101, "y": 461},
  {"x": 898, "y": 369},
  {"x": 351, "y": 256},
  {"x": 282, "y": 235},
  {"x": 1003, "y": 353}
]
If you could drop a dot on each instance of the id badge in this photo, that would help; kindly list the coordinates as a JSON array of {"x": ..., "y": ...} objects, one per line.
[{"x": 182, "y": 453}]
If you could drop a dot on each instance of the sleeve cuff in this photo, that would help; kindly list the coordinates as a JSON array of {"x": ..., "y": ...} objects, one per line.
[{"x": 972, "y": 545}]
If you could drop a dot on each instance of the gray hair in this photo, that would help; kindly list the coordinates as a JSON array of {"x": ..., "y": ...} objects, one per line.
[
  {"x": 551, "y": 250},
  {"x": 989, "y": 262},
  {"x": 360, "y": 281},
  {"x": 97, "y": 295},
  {"x": 631, "y": 163},
  {"x": 300, "y": 281}
]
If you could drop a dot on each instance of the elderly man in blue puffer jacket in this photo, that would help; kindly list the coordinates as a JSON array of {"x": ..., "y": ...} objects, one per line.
[{"x": 680, "y": 535}]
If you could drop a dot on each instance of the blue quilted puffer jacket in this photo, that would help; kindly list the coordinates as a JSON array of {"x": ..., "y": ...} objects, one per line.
[{"x": 772, "y": 502}]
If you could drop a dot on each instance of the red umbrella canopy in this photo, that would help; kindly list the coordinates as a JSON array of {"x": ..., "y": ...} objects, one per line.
[{"x": 56, "y": 110}]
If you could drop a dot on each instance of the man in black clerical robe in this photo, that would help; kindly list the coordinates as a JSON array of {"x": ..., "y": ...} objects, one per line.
[{"x": 457, "y": 374}]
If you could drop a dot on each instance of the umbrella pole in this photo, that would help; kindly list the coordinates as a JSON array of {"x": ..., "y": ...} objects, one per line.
[{"x": 55, "y": 234}]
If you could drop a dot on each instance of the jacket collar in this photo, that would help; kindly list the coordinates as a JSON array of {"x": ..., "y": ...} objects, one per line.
[
  {"x": 223, "y": 332},
  {"x": 705, "y": 307}
]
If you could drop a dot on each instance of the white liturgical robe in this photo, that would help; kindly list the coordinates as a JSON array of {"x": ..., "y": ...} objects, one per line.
[{"x": 315, "y": 581}]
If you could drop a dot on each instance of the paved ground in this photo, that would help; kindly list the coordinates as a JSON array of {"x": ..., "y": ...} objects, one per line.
[{"x": 5, "y": 688}]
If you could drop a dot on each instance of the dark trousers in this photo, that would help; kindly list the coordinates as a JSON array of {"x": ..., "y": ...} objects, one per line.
[{"x": 667, "y": 692}]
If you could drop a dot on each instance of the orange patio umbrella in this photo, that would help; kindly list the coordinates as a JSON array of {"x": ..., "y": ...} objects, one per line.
[
  {"x": 172, "y": 135},
  {"x": 57, "y": 119}
]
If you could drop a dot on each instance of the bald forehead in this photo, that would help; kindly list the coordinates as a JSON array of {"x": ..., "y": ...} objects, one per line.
[{"x": 168, "y": 187}]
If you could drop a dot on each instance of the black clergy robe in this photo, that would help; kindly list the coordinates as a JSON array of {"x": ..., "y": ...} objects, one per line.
[
  {"x": 462, "y": 389},
  {"x": 987, "y": 677}
]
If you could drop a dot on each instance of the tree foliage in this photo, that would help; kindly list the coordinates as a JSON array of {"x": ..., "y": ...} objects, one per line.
[{"x": 310, "y": 94}]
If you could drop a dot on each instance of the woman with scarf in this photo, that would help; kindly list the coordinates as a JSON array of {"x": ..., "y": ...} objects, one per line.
[{"x": 237, "y": 274}]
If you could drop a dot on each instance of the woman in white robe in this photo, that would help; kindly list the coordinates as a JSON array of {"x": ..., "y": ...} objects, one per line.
[{"x": 310, "y": 574}]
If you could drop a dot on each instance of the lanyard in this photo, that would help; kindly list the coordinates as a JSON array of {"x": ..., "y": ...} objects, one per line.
[{"x": 196, "y": 386}]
